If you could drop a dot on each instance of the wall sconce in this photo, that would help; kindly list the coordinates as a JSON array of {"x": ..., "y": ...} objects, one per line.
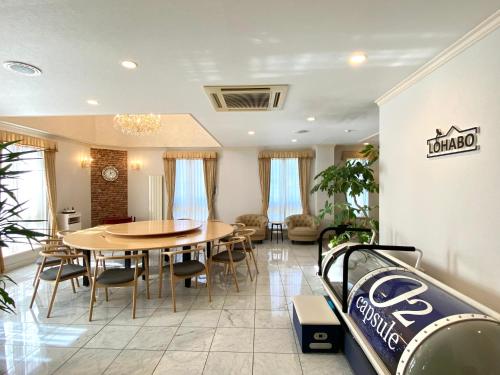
[
  {"x": 135, "y": 165},
  {"x": 86, "y": 161}
]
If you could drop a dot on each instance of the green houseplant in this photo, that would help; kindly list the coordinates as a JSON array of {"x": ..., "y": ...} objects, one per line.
[
  {"x": 11, "y": 229},
  {"x": 350, "y": 180}
]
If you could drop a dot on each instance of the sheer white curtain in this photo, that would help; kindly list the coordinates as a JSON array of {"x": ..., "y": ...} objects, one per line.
[
  {"x": 28, "y": 187},
  {"x": 190, "y": 198},
  {"x": 284, "y": 195}
]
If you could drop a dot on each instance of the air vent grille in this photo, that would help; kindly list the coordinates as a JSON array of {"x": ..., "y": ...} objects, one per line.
[{"x": 247, "y": 98}]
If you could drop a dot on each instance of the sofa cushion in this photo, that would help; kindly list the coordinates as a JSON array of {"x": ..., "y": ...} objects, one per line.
[{"x": 304, "y": 231}]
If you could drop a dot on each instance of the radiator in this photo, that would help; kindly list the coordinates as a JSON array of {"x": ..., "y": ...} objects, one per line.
[{"x": 155, "y": 197}]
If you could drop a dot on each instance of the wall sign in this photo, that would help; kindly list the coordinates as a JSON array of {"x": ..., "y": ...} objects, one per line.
[{"x": 455, "y": 141}]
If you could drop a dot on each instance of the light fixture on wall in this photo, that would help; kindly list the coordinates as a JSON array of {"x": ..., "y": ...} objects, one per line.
[
  {"x": 86, "y": 161},
  {"x": 135, "y": 165},
  {"x": 139, "y": 124}
]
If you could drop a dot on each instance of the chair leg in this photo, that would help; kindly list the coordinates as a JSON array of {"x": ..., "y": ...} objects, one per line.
[
  {"x": 233, "y": 271},
  {"x": 254, "y": 261},
  {"x": 134, "y": 298},
  {"x": 106, "y": 293},
  {"x": 37, "y": 283},
  {"x": 52, "y": 299},
  {"x": 147, "y": 280},
  {"x": 92, "y": 301},
  {"x": 172, "y": 285},
  {"x": 77, "y": 282},
  {"x": 160, "y": 274},
  {"x": 208, "y": 284},
  {"x": 37, "y": 274},
  {"x": 248, "y": 266},
  {"x": 73, "y": 286}
]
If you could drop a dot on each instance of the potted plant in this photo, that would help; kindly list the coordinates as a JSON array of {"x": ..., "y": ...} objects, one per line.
[
  {"x": 350, "y": 180},
  {"x": 11, "y": 231}
]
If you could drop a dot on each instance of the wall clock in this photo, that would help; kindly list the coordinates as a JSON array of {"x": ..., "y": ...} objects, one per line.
[{"x": 109, "y": 173}]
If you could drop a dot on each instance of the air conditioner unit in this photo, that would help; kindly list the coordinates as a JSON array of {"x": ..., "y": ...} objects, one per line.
[{"x": 247, "y": 98}]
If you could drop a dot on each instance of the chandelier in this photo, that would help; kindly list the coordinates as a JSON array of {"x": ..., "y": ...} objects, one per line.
[{"x": 141, "y": 124}]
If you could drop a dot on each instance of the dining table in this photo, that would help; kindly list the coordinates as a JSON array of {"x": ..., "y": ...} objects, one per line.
[{"x": 146, "y": 236}]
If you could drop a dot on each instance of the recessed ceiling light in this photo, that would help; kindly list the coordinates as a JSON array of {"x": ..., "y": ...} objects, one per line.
[
  {"x": 129, "y": 64},
  {"x": 357, "y": 58},
  {"x": 22, "y": 68},
  {"x": 294, "y": 140},
  {"x": 348, "y": 130},
  {"x": 251, "y": 132},
  {"x": 366, "y": 143},
  {"x": 311, "y": 118},
  {"x": 92, "y": 102}
]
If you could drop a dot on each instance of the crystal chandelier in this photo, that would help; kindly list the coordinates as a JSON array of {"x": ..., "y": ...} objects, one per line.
[{"x": 141, "y": 124}]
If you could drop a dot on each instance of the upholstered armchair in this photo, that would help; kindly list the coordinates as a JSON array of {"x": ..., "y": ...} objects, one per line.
[
  {"x": 302, "y": 228},
  {"x": 257, "y": 222}
]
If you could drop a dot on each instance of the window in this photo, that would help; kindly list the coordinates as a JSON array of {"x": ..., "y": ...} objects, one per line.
[
  {"x": 361, "y": 199},
  {"x": 29, "y": 187},
  {"x": 190, "y": 199},
  {"x": 284, "y": 195}
]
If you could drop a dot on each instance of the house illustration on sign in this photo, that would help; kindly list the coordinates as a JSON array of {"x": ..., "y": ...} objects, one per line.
[{"x": 455, "y": 141}]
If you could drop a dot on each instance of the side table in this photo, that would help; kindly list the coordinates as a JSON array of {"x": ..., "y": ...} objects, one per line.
[{"x": 277, "y": 228}]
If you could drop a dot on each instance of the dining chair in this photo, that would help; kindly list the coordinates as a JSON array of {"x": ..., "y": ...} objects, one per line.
[
  {"x": 229, "y": 257},
  {"x": 186, "y": 269},
  {"x": 247, "y": 245},
  {"x": 118, "y": 277},
  {"x": 65, "y": 270},
  {"x": 40, "y": 245}
]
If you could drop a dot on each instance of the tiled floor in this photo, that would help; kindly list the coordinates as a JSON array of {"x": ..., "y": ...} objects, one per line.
[{"x": 238, "y": 333}]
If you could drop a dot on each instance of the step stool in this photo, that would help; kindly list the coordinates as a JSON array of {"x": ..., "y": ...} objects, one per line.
[{"x": 317, "y": 327}]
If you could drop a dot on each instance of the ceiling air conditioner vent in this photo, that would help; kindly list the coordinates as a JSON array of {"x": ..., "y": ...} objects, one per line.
[{"x": 247, "y": 98}]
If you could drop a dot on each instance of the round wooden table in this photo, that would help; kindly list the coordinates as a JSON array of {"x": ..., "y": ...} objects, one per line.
[{"x": 148, "y": 235}]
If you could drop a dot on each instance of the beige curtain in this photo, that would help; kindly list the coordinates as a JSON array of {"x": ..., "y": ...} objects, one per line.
[
  {"x": 49, "y": 158},
  {"x": 265, "y": 182},
  {"x": 210, "y": 172},
  {"x": 286, "y": 154},
  {"x": 27, "y": 140},
  {"x": 190, "y": 155},
  {"x": 304, "y": 179},
  {"x": 169, "y": 166}
]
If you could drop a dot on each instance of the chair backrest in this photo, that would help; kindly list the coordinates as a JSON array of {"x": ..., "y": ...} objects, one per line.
[
  {"x": 229, "y": 244},
  {"x": 301, "y": 220},
  {"x": 253, "y": 220},
  {"x": 118, "y": 220}
]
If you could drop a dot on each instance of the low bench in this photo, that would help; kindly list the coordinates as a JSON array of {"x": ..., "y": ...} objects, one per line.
[{"x": 317, "y": 327}]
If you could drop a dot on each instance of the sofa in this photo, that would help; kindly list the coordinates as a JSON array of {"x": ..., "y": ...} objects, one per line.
[
  {"x": 302, "y": 228},
  {"x": 257, "y": 222}
]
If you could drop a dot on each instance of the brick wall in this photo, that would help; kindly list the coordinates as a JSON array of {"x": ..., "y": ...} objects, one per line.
[{"x": 108, "y": 199}]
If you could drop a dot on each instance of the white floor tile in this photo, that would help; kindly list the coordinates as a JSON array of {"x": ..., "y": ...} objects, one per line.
[
  {"x": 134, "y": 362},
  {"x": 233, "y": 340},
  {"x": 192, "y": 339},
  {"x": 113, "y": 337},
  {"x": 237, "y": 318},
  {"x": 276, "y": 364},
  {"x": 152, "y": 338},
  {"x": 181, "y": 363},
  {"x": 274, "y": 341},
  {"x": 224, "y": 363}
]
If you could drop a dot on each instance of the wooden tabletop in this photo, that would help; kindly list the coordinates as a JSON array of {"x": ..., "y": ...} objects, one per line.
[
  {"x": 97, "y": 238},
  {"x": 153, "y": 227}
]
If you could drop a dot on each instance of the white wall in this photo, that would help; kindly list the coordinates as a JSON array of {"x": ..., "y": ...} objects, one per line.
[
  {"x": 73, "y": 181},
  {"x": 238, "y": 187},
  {"x": 449, "y": 207}
]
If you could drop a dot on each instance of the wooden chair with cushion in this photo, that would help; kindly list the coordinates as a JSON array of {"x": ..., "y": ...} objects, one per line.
[
  {"x": 247, "y": 245},
  {"x": 302, "y": 228},
  {"x": 119, "y": 277},
  {"x": 186, "y": 269},
  {"x": 257, "y": 222},
  {"x": 65, "y": 270},
  {"x": 230, "y": 257}
]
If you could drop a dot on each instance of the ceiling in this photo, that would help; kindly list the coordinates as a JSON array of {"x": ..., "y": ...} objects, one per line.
[
  {"x": 182, "y": 45},
  {"x": 179, "y": 130}
]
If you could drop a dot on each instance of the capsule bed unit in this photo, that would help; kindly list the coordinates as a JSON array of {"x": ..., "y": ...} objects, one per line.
[{"x": 398, "y": 320}]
